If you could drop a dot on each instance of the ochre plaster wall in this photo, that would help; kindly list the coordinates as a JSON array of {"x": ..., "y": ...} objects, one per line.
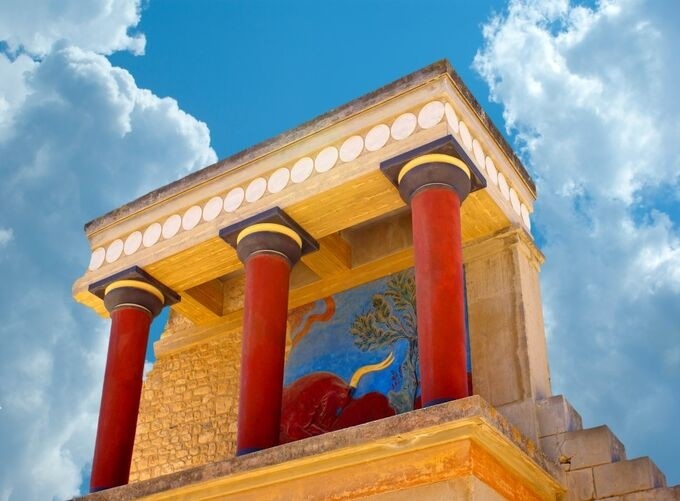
[{"x": 187, "y": 415}]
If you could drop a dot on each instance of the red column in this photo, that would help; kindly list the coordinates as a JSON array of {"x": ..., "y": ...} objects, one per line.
[
  {"x": 132, "y": 310},
  {"x": 268, "y": 257},
  {"x": 434, "y": 186}
]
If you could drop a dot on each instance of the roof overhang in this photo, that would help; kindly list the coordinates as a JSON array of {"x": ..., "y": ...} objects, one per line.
[{"x": 325, "y": 175}]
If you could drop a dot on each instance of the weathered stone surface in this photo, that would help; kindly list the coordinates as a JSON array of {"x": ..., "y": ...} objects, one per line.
[
  {"x": 625, "y": 477},
  {"x": 522, "y": 415},
  {"x": 461, "y": 489},
  {"x": 584, "y": 448},
  {"x": 580, "y": 485},
  {"x": 385, "y": 435},
  {"x": 556, "y": 415},
  {"x": 187, "y": 415},
  {"x": 507, "y": 337},
  {"x": 659, "y": 494}
]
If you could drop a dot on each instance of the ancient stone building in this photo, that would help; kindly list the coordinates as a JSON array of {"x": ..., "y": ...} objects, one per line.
[{"x": 384, "y": 251}]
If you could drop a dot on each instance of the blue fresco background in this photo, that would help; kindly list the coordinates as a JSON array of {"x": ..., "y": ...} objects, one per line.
[{"x": 329, "y": 346}]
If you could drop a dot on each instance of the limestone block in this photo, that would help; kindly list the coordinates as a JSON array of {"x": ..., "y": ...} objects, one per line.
[
  {"x": 584, "y": 448},
  {"x": 556, "y": 415},
  {"x": 659, "y": 494},
  {"x": 507, "y": 338},
  {"x": 580, "y": 485},
  {"x": 624, "y": 477},
  {"x": 188, "y": 410},
  {"x": 522, "y": 414},
  {"x": 459, "y": 488}
]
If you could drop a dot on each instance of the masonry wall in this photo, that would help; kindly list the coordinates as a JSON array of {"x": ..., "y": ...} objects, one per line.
[{"x": 189, "y": 405}]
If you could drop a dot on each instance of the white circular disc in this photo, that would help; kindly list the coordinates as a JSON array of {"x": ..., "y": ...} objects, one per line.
[
  {"x": 525, "y": 215},
  {"x": 302, "y": 169},
  {"x": 514, "y": 200},
  {"x": 431, "y": 114},
  {"x": 351, "y": 148},
  {"x": 377, "y": 137},
  {"x": 97, "y": 258},
  {"x": 451, "y": 118},
  {"x": 491, "y": 170},
  {"x": 278, "y": 180},
  {"x": 479, "y": 153},
  {"x": 326, "y": 159},
  {"x": 404, "y": 126},
  {"x": 191, "y": 217},
  {"x": 256, "y": 189},
  {"x": 132, "y": 243},
  {"x": 114, "y": 250},
  {"x": 212, "y": 208},
  {"x": 234, "y": 199},
  {"x": 503, "y": 185},
  {"x": 171, "y": 226},
  {"x": 151, "y": 234},
  {"x": 465, "y": 136}
]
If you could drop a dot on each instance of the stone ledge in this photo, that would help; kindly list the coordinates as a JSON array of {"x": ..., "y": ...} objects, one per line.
[
  {"x": 625, "y": 477},
  {"x": 584, "y": 448},
  {"x": 442, "y": 439},
  {"x": 556, "y": 415}
]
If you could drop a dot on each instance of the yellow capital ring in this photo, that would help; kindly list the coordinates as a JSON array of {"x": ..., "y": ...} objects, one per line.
[
  {"x": 432, "y": 158},
  {"x": 271, "y": 227},
  {"x": 137, "y": 285}
]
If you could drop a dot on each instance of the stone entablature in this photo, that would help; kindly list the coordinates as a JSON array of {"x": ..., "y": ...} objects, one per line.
[{"x": 174, "y": 229}]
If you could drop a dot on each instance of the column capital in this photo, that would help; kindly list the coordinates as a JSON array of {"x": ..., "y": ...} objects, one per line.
[
  {"x": 136, "y": 288},
  {"x": 270, "y": 231},
  {"x": 442, "y": 163}
]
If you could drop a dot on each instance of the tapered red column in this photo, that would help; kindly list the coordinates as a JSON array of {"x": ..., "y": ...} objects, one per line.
[
  {"x": 133, "y": 305},
  {"x": 268, "y": 251},
  {"x": 435, "y": 185}
]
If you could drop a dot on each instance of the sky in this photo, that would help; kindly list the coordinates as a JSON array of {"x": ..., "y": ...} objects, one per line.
[{"x": 104, "y": 100}]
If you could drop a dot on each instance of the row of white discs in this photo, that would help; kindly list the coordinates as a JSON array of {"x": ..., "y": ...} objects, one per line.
[{"x": 405, "y": 125}]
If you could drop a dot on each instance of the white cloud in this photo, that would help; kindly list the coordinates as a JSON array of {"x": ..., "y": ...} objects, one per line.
[
  {"x": 77, "y": 138},
  {"x": 101, "y": 26},
  {"x": 592, "y": 96},
  {"x": 6, "y": 235}
]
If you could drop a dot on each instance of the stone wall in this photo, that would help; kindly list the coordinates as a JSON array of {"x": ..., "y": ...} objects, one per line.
[{"x": 189, "y": 405}]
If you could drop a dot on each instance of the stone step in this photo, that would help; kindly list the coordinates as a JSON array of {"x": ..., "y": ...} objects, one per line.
[
  {"x": 626, "y": 477},
  {"x": 556, "y": 415},
  {"x": 584, "y": 448},
  {"x": 659, "y": 494}
]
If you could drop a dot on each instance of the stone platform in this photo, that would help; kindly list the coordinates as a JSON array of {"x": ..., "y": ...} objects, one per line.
[{"x": 458, "y": 450}]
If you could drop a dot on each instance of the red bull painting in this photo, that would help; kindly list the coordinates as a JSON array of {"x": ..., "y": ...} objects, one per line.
[{"x": 354, "y": 358}]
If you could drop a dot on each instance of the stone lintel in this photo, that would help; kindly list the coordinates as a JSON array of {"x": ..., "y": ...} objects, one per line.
[
  {"x": 134, "y": 273},
  {"x": 463, "y": 439},
  {"x": 446, "y": 145},
  {"x": 276, "y": 216}
]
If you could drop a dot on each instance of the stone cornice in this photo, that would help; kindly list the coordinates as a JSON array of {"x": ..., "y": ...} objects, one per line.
[
  {"x": 328, "y": 179},
  {"x": 206, "y": 174}
]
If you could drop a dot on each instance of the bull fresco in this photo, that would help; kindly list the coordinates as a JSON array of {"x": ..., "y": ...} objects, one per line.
[{"x": 354, "y": 358}]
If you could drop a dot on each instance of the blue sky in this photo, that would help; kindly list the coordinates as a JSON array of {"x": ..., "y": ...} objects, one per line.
[{"x": 103, "y": 101}]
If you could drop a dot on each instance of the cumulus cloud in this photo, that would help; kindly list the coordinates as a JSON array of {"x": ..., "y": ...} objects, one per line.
[
  {"x": 102, "y": 26},
  {"x": 77, "y": 138},
  {"x": 591, "y": 96}
]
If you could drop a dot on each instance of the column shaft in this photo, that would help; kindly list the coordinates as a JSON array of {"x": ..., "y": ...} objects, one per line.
[
  {"x": 120, "y": 397},
  {"x": 263, "y": 351},
  {"x": 439, "y": 294}
]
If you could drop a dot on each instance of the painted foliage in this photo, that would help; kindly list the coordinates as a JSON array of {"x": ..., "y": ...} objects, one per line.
[{"x": 354, "y": 358}]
